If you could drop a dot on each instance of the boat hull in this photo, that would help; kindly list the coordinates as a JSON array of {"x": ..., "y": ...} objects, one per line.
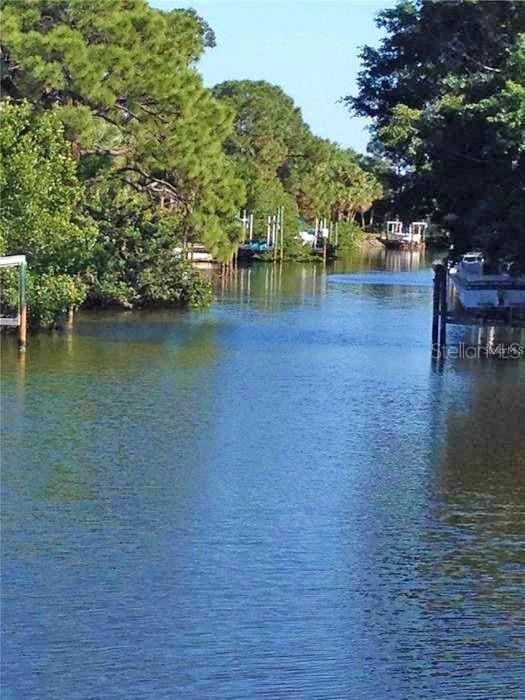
[
  {"x": 490, "y": 294},
  {"x": 400, "y": 244}
]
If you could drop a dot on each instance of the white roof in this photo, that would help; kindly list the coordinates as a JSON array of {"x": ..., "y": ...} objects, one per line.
[{"x": 12, "y": 260}]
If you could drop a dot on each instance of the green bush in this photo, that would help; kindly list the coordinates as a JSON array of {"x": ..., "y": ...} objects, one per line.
[
  {"x": 110, "y": 290},
  {"x": 174, "y": 282},
  {"x": 349, "y": 235},
  {"x": 50, "y": 296}
]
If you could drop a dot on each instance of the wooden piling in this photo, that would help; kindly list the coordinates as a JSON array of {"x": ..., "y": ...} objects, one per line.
[
  {"x": 282, "y": 234},
  {"x": 22, "y": 328},
  {"x": 275, "y": 234},
  {"x": 443, "y": 309},
  {"x": 439, "y": 310},
  {"x": 435, "y": 310}
]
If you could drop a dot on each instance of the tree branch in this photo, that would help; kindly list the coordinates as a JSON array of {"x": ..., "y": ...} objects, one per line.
[{"x": 165, "y": 184}]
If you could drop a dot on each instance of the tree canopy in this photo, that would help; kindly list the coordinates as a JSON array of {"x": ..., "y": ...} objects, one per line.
[
  {"x": 129, "y": 158},
  {"x": 283, "y": 164},
  {"x": 446, "y": 94},
  {"x": 120, "y": 76},
  {"x": 40, "y": 214}
]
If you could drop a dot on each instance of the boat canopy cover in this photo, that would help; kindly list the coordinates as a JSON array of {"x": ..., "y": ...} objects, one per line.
[{"x": 472, "y": 257}]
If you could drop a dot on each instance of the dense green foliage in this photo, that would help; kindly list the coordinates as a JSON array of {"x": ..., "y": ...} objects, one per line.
[
  {"x": 117, "y": 158},
  {"x": 331, "y": 181},
  {"x": 267, "y": 128},
  {"x": 121, "y": 76},
  {"x": 446, "y": 93},
  {"x": 283, "y": 164},
  {"x": 39, "y": 211},
  {"x": 144, "y": 132}
]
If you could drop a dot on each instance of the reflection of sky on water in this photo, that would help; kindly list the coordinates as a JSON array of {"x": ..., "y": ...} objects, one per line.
[{"x": 281, "y": 496}]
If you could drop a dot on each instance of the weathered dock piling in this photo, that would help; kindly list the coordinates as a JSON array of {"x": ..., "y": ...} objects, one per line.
[
  {"x": 439, "y": 309},
  {"x": 22, "y": 327}
]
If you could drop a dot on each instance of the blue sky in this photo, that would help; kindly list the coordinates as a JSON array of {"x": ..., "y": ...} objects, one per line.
[{"x": 309, "y": 47}]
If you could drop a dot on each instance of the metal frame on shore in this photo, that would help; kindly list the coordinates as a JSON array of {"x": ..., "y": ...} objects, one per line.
[{"x": 20, "y": 320}]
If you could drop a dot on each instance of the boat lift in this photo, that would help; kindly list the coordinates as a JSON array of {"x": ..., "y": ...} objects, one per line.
[
  {"x": 20, "y": 320},
  {"x": 399, "y": 238},
  {"x": 447, "y": 308},
  {"x": 417, "y": 231},
  {"x": 393, "y": 229}
]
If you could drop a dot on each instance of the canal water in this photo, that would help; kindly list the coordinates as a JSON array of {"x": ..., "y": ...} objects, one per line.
[{"x": 282, "y": 497}]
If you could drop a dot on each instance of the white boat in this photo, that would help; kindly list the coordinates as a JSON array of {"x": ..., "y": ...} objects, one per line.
[
  {"x": 199, "y": 253},
  {"x": 307, "y": 238},
  {"x": 478, "y": 291},
  {"x": 195, "y": 253}
]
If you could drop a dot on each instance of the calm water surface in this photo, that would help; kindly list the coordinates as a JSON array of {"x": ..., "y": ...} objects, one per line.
[{"x": 279, "y": 498}]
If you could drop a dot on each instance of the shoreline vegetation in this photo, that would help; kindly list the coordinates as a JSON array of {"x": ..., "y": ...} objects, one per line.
[{"x": 114, "y": 155}]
